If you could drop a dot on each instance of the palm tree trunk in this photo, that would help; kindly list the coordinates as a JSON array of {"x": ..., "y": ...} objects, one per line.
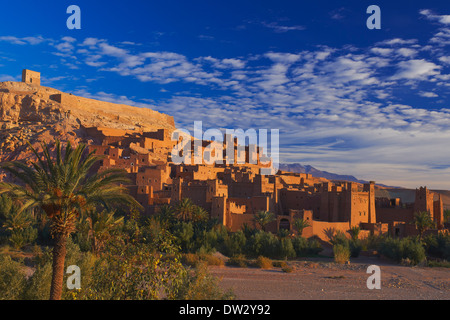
[{"x": 59, "y": 255}]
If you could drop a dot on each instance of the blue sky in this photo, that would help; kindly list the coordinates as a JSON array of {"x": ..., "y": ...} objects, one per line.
[{"x": 372, "y": 103}]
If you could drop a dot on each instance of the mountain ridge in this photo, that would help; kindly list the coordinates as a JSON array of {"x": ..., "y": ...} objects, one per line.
[{"x": 299, "y": 168}]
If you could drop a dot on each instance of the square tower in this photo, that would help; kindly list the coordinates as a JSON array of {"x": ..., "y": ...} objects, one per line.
[{"x": 31, "y": 77}]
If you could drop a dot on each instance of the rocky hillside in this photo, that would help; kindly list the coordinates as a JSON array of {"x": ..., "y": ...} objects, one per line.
[{"x": 37, "y": 113}]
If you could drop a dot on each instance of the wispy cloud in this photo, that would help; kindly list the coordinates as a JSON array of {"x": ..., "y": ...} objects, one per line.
[{"x": 282, "y": 28}]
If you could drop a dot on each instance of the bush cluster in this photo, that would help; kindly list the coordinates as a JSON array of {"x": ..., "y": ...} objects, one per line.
[{"x": 403, "y": 249}]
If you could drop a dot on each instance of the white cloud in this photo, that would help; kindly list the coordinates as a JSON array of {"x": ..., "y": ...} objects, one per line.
[
  {"x": 281, "y": 28},
  {"x": 397, "y": 41},
  {"x": 415, "y": 69},
  {"x": 444, "y": 19},
  {"x": 445, "y": 59},
  {"x": 428, "y": 94},
  {"x": 24, "y": 40}
]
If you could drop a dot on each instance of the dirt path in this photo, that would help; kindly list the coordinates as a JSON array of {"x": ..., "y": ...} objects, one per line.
[{"x": 323, "y": 279}]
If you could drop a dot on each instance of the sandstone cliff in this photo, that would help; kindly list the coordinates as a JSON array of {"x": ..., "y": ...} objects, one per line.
[{"x": 37, "y": 113}]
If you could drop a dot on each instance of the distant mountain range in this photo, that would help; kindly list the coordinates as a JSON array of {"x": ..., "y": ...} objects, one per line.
[
  {"x": 299, "y": 168},
  {"x": 407, "y": 195}
]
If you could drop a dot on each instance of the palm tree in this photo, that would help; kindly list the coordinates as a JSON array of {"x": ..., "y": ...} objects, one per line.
[
  {"x": 199, "y": 214},
  {"x": 300, "y": 225},
  {"x": 101, "y": 224},
  {"x": 262, "y": 218},
  {"x": 447, "y": 215},
  {"x": 184, "y": 209},
  {"x": 354, "y": 232},
  {"x": 63, "y": 188},
  {"x": 166, "y": 213},
  {"x": 12, "y": 217},
  {"x": 423, "y": 222}
]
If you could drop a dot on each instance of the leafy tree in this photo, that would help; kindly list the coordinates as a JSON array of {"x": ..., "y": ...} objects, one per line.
[
  {"x": 63, "y": 188},
  {"x": 262, "y": 218},
  {"x": 12, "y": 279},
  {"x": 235, "y": 243}
]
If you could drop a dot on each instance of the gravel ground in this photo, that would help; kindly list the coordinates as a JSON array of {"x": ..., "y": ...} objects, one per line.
[{"x": 322, "y": 279}]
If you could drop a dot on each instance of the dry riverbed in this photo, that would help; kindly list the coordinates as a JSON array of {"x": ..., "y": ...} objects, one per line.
[{"x": 323, "y": 279}]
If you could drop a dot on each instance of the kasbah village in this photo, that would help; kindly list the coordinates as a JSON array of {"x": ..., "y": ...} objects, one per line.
[
  {"x": 232, "y": 193},
  {"x": 140, "y": 141}
]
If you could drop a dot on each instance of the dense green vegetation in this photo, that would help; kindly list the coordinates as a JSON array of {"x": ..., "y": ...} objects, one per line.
[{"x": 121, "y": 255}]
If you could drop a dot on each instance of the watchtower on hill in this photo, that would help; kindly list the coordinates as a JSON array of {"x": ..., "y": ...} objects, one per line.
[{"x": 31, "y": 77}]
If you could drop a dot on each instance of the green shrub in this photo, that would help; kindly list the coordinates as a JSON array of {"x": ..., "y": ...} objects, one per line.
[
  {"x": 341, "y": 253},
  {"x": 22, "y": 237},
  {"x": 190, "y": 259},
  {"x": 438, "y": 264},
  {"x": 283, "y": 265},
  {"x": 438, "y": 246},
  {"x": 12, "y": 279},
  {"x": 264, "y": 244},
  {"x": 306, "y": 247},
  {"x": 183, "y": 232},
  {"x": 339, "y": 237},
  {"x": 235, "y": 243},
  {"x": 287, "y": 269},
  {"x": 355, "y": 248},
  {"x": 414, "y": 251},
  {"x": 200, "y": 285},
  {"x": 238, "y": 261},
  {"x": 263, "y": 262},
  {"x": 286, "y": 249},
  {"x": 132, "y": 270},
  {"x": 402, "y": 249},
  {"x": 372, "y": 242},
  {"x": 38, "y": 286},
  {"x": 212, "y": 260},
  {"x": 279, "y": 264},
  {"x": 283, "y": 233}
]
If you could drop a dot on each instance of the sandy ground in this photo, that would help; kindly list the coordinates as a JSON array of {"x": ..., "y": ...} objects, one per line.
[{"x": 322, "y": 279}]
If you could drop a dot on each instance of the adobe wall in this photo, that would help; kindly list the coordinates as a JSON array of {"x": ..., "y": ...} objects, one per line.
[
  {"x": 389, "y": 215},
  {"x": 375, "y": 228},
  {"x": 218, "y": 209},
  {"x": 197, "y": 193},
  {"x": 238, "y": 221},
  {"x": 155, "y": 177},
  {"x": 299, "y": 200},
  {"x": 319, "y": 228},
  {"x": 66, "y": 99}
]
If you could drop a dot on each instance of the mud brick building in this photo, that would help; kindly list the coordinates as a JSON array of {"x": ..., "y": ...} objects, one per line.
[{"x": 234, "y": 192}]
